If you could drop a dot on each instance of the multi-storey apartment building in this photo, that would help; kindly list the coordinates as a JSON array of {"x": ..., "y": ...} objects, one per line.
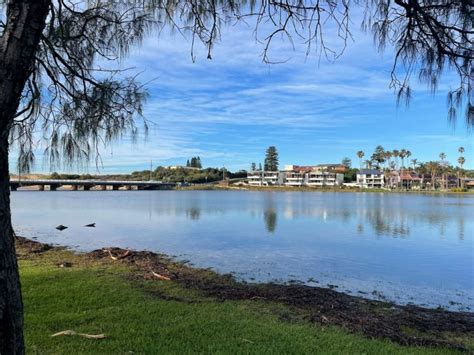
[
  {"x": 264, "y": 178},
  {"x": 370, "y": 178},
  {"x": 294, "y": 175},
  {"x": 294, "y": 178},
  {"x": 324, "y": 179}
]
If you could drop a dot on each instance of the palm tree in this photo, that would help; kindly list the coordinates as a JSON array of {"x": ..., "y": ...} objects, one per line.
[
  {"x": 407, "y": 155},
  {"x": 396, "y": 154},
  {"x": 414, "y": 162},
  {"x": 403, "y": 154},
  {"x": 442, "y": 156},
  {"x": 388, "y": 157},
  {"x": 461, "y": 161},
  {"x": 461, "y": 158},
  {"x": 360, "y": 155}
]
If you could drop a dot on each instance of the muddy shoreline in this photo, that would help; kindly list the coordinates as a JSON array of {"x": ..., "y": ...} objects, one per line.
[{"x": 407, "y": 325}]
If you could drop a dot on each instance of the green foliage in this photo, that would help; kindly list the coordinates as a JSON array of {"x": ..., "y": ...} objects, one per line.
[
  {"x": 180, "y": 174},
  {"x": 56, "y": 176},
  {"x": 194, "y": 163},
  {"x": 347, "y": 162},
  {"x": 350, "y": 175},
  {"x": 458, "y": 189},
  {"x": 187, "y": 175},
  {"x": 378, "y": 155},
  {"x": 271, "y": 159}
]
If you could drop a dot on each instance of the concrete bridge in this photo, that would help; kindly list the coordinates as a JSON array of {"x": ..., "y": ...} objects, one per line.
[{"x": 87, "y": 185}]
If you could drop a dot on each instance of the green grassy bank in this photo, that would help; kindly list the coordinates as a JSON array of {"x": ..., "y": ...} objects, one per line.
[{"x": 160, "y": 317}]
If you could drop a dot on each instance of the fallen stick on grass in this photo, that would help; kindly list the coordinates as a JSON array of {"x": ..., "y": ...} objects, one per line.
[
  {"x": 161, "y": 277},
  {"x": 72, "y": 332}
]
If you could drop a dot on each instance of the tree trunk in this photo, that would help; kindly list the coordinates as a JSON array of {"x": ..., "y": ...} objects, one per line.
[
  {"x": 19, "y": 42},
  {"x": 11, "y": 308}
]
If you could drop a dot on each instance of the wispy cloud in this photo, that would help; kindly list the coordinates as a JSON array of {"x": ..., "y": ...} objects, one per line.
[{"x": 230, "y": 108}]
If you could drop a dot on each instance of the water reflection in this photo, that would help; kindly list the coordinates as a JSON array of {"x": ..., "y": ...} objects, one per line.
[
  {"x": 409, "y": 246},
  {"x": 270, "y": 216},
  {"x": 193, "y": 213},
  {"x": 385, "y": 216}
]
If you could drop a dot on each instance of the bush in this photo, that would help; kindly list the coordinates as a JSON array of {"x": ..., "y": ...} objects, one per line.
[{"x": 458, "y": 189}]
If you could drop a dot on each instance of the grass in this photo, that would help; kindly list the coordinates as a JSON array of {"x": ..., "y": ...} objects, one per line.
[{"x": 152, "y": 317}]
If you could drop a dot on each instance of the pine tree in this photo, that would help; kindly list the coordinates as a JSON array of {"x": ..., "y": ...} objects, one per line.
[
  {"x": 271, "y": 159},
  {"x": 253, "y": 167},
  {"x": 187, "y": 163},
  {"x": 347, "y": 162}
]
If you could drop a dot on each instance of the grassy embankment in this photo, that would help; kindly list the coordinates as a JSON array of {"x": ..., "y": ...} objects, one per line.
[{"x": 140, "y": 315}]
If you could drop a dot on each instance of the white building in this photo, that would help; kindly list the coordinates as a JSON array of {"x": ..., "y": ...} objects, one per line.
[
  {"x": 324, "y": 179},
  {"x": 264, "y": 178},
  {"x": 370, "y": 178},
  {"x": 294, "y": 178}
]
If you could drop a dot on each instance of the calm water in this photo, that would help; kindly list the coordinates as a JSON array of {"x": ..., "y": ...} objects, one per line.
[{"x": 406, "y": 248}]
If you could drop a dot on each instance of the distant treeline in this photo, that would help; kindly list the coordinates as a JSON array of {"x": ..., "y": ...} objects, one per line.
[
  {"x": 177, "y": 174},
  {"x": 181, "y": 174}
]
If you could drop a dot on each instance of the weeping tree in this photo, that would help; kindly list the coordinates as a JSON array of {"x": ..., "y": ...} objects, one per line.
[{"x": 59, "y": 87}]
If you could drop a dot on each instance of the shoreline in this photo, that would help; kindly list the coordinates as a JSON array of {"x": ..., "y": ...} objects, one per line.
[
  {"x": 216, "y": 187},
  {"x": 406, "y": 325},
  {"x": 316, "y": 189}
]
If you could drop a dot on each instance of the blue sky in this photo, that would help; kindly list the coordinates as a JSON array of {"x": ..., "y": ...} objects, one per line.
[{"x": 228, "y": 110}]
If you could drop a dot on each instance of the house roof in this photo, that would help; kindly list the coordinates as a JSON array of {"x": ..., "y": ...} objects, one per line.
[
  {"x": 409, "y": 176},
  {"x": 301, "y": 169}
]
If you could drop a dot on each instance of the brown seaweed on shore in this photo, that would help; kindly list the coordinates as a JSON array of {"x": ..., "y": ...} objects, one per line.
[
  {"x": 32, "y": 246},
  {"x": 374, "y": 319}
]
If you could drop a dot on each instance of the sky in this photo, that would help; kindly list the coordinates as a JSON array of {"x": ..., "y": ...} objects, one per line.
[{"x": 228, "y": 110}]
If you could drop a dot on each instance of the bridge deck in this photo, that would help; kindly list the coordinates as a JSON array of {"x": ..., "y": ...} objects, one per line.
[{"x": 34, "y": 182}]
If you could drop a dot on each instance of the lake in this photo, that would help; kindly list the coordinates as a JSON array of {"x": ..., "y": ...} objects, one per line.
[{"x": 407, "y": 248}]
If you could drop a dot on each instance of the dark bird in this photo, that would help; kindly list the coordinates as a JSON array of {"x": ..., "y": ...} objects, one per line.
[
  {"x": 61, "y": 227},
  {"x": 90, "y": 225}
]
